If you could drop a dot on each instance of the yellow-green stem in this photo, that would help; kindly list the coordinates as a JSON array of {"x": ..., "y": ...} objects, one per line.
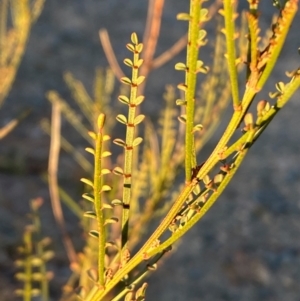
[
  {"x": 28, "y": 266},
  {"x": 190, "y": 81},
  {"x": 128, "y": 160},
  {"x": 99, "y": 202},
  {"x": 229, "y": 16}
]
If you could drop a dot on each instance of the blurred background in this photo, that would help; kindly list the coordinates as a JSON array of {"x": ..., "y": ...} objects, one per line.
[{"x": 246, "y": 248}]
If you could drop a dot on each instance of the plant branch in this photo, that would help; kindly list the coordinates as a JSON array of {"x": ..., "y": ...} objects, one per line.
[{"x": 151, "y": 34}]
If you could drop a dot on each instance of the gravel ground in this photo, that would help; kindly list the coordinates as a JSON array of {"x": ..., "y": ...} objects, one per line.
[{"x": 246, "y": 248}]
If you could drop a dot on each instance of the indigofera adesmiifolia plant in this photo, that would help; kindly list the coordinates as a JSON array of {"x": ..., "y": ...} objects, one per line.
[
  {"x": 127, "y": 194},
  {"x": 204, "y": 183}
]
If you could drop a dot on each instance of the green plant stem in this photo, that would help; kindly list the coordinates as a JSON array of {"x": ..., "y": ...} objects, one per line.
[
  {"x": 98, "y": 183},
  {"x": 128, "y": 155},
  {"x": 43, "y": 270},
  {"x": 229, "y": 32},
  {"x": 190, "y": 81},
  {"x": 28, "y": 267}
]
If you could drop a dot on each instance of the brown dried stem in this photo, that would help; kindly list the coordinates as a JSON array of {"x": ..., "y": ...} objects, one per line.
[
  {"x": 151, "y": 34},
  {"x": 53, "y": 183},
  {"x": 110, "y": 54}
]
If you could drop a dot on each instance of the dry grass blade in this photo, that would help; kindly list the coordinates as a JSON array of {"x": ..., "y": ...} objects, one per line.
[
  {"x": 151, "y": 34},
  {"x": 170, "y": 53},
  {"x": 53, "y": 183},
  {"x": 110, "y": 54}
]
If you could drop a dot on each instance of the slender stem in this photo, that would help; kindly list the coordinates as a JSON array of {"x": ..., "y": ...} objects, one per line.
[
  {"x": 110, "y": 54},
  {"x": 151, "y": 34},
  {"x": 53, "y": 180},
  {"x": 229, "y": 31},
  {"x": 28, "y": 266},
  {"x": 39, "y": 249},
  {"x": 169, "y": 54},
  {"x": 43, "y": 270},
  {"x": 190, "y": 82},
  {"x": 128, "y": 155},
  {"x": 180, "y": 44},
  {"x": 98, "y": 183}
]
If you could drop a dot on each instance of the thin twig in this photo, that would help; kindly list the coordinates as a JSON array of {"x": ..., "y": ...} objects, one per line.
[
  {"x": 151, "y": 33},
  {"x": 53, "y": 183},
  {"x": 5, "y": 130},
  {"x": 170, "y": 53},
  {"x": 110, "y": 54}
]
